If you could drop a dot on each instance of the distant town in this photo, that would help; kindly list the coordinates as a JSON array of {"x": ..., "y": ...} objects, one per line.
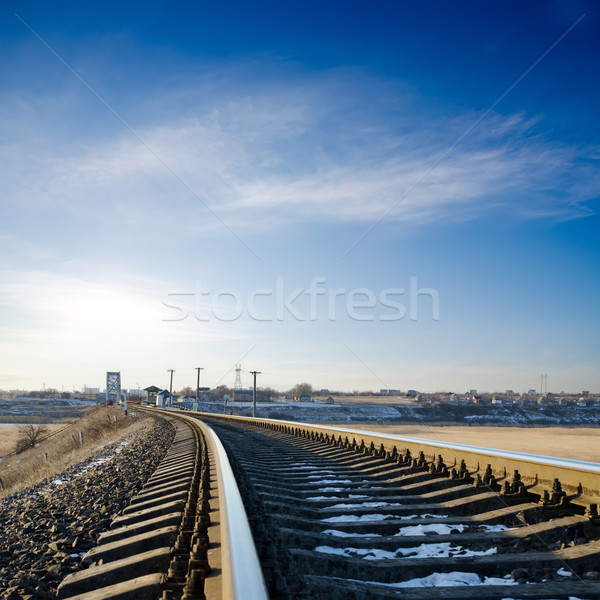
[
  {"x": 303, "y": 392},
  {"x": 304, "y": 403}
]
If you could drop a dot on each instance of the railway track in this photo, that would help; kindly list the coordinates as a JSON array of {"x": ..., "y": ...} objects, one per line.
[
  {"x": 338, "y": 514},
  {"x": 342, "y": 519},
  {"x": 185, "y": 535}
]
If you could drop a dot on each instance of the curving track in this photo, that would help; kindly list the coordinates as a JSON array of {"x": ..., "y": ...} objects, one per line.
[
  {"x": 340, "y": 514},
  {"x": 176, "y": 538}
]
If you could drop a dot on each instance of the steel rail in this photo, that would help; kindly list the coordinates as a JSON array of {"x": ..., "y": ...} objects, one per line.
[
  {"x": 581, "y": 479},
  {"x": 241, "y": 572},
  {"x": 540, "y": 459}
]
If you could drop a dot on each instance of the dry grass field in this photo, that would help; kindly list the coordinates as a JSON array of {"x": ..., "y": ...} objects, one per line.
[
  {"x": 578, "y": 443},
  {"x": 98, "y": 428},
  {"x": 9, "y": 434}
]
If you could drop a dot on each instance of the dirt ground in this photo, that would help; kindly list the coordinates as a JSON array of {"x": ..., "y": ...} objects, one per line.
[{"x": 578, "y": 443}]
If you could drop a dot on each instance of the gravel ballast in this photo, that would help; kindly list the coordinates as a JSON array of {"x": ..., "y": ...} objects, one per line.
[{"x": 46, "y": 529}]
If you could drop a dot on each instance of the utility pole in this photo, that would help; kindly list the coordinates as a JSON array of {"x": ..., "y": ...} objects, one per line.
[
  {"x": 198, "y": 386},
  {"x": 171, "y": 387},
  {"x": 255, "y": 373}
]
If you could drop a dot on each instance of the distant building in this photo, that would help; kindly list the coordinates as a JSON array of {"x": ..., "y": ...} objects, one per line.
[
  {"x": 242, "y": 395},
  {"x": 330, "y": 400},
  {"x": 151, "y": 393},
  {"x": 162, "y": 399},
  {"x": 531, "y": 392},
  {"x": 389, "y": 392},
  {"x": 510, "y": 393}
]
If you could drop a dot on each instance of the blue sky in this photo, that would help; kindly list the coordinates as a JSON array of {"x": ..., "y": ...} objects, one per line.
[{"x": 176, "y": 181}]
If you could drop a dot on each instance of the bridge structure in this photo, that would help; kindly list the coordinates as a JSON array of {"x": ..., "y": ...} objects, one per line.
[
  {"x": 245, "y": 508},
  {"x": 113, "y": 387}
]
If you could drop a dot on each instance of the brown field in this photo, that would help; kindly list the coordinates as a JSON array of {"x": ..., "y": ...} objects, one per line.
[
  {"x": 581, "y": 443},
  {"x": 98, "y": 428},
  {"x": 9, "y": 434}
]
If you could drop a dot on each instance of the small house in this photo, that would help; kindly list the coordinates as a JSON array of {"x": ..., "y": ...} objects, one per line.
[
  {"x": 151, "y": 393},
  {"x": 162, "y": 399}
]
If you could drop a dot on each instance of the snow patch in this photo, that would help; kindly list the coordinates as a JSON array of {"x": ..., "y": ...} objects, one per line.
[
  {"x": 330, "y": 480},
  {"x": 366, "y": 505},
  {"x": 324, "y": 498},
  {"x": 355, "y": 518},
  {"x": 423, "y": 516},
  {"x": 442, "y": 550},
  {"x": 435, "y": 528},
  {"x": 452, "y": 579},
  {"x": 344, "y": 534},
  {"x": 494, "y": 528},
  {"x": 352, "y": 496}
]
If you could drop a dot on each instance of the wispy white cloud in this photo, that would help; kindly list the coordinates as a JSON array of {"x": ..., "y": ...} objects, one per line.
[{"x": 294, "y": 152}]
